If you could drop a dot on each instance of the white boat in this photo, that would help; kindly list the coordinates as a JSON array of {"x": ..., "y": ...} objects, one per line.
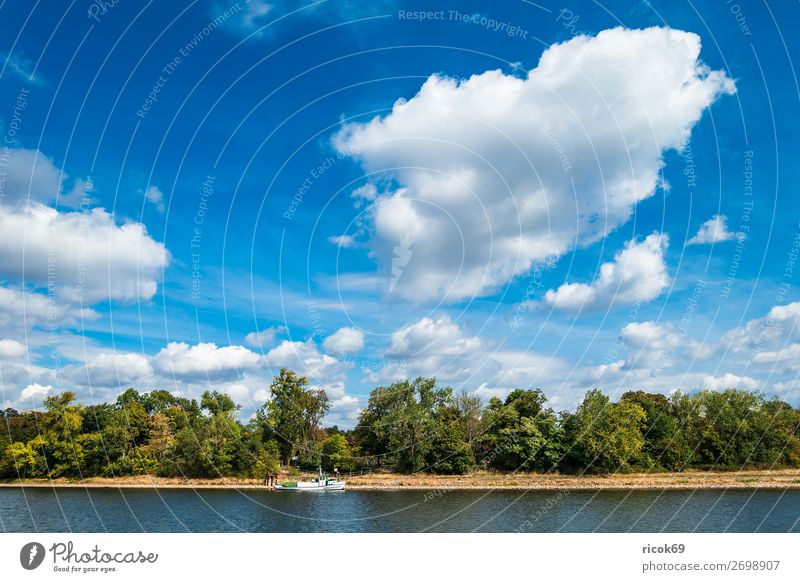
[{"x": 322, "y": 483}]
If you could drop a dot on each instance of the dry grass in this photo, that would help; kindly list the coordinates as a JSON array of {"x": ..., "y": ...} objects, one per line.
[
  {"x": 771, "y": 479},
  {"x": 774, "y": 479}
]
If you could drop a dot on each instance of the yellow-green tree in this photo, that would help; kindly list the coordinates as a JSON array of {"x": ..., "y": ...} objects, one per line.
[{"x": 606, "y": 436}]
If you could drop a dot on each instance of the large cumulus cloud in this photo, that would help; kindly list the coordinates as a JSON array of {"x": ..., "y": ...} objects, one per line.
[{"x": 485, "y": 177}]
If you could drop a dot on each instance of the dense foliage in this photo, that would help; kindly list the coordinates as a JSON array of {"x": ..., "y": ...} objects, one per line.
[
  {"x": 409, "y": 426},
  {"x": 417, "y": 426}
]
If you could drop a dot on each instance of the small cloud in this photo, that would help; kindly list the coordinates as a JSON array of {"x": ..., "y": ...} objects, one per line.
[
  {"x": 347, "y": 341},
  {"x": 254, "y": 13},
  {"x": 638, "y": 273},
  {"x": 19, "y": 65},
  {"x": 344, "y": 241},
  {"x": 364, "y": 194},
  {"x": 249, "y": 17},
  {"x": 716, "y": 383},
  {"x": 12, "y": 349},
  {"x": 155, "y": 197},
  {"x": 33, "y": 394},
  {"x": 714, "y": 230},
  {"x": 264, "y": 337}
]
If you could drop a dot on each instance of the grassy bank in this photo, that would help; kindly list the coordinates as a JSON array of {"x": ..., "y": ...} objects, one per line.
[{"x": 752, "y": 479}]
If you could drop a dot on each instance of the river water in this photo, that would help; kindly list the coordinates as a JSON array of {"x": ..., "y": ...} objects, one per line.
[{"x": 181, "y": 510}]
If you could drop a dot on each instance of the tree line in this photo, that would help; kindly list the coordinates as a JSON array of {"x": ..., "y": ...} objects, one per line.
[{"x": 409, "y": 426}]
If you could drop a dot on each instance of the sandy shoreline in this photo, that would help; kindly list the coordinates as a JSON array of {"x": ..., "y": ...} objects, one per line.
[{"x": 763, "y": 479}]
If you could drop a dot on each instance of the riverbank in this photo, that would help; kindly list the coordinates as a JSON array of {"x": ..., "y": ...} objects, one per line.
[{"x": 755, "y": 479}]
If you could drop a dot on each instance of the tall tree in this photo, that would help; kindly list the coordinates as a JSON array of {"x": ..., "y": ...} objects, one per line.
[
  {"x": 522, "y": 433},
  {"x": 293, "y": 415},
  {"x": 665, "y": 446},
  {"x": 62, "y": 418},
  {"x": 470, "y": 414},
  {"x": 404, "y": 416}
]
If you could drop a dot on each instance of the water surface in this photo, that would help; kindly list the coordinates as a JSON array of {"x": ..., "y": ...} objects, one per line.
[{"x": 179, "y": 510}]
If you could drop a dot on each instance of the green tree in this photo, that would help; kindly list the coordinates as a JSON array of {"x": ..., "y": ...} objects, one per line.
[
  {"x": 293, "y": 415},
  {"x": 450, "y": 452},
  {"x": 470, "y": 414},
  {"x": 62, "y": 418},
  {"x": 336, "y": 452},
  {"x": 523, "y": 434},
  {"x": 372, "y": 434},
  {"x": 407, "y": 419},
  {"x": 606, "y": 436},
  {"x": 22, "y": 460},
  {"x": 723, "y": 427},
  {"x": 777, "y": 424},
  {"x": 267, "y": 460},
  {"x": 218, "y": 404},
  {"x": 665, "y": 446},
  {"x": 96, "y": 417}
]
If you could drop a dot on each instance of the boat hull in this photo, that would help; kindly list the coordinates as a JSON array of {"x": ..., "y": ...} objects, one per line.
[{"x": 338, "y": 486}]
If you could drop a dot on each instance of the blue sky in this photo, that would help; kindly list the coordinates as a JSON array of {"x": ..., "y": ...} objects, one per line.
[{"x": 196, "y": 195}]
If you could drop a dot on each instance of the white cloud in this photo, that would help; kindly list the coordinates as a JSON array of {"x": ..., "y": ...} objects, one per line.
[
  {"x": 88, "y": 254},
  {"x": 730, "y": 381},
  {"x": 344, "y": 411},
  {"x": 523, "y": 369},
  {"x": 12, "y": 349},
  {"x": 607, "y": 372},
  {"x": 346, "y": 341},
  {"x": 790, "y": 354},
  {"x": 655, "y": 347},
  {"x": 637, "y": 274},
  {"x": 20, "y": 373},
  {"x": 367, "y": 192},
  {"x": 19, "y": 309},
  {"x": 650, "y": 344},
  {"x": 428, "y": 335},
  {"x": 499, "y": 173},
  {"x": 265, "y": 337},
  {"x": 252, "y": 15},
  {"x": 31, "y": 176},
  {"x": 204, "y": 361},
  {"x": 21, "y": 66},
  {"x": 33, "y": 394},
  {"x": 155, "y": 197},
  {"x": 659, "y": 356},
  {"x": 306, "y": 359},
  {"x": 714, "y": 230},
  {"x": 779, "y": 327},
  {"x": 439, "y": 347},
  {"x": 115, "y": 370},
  {"x": 344, "y": 241}
]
